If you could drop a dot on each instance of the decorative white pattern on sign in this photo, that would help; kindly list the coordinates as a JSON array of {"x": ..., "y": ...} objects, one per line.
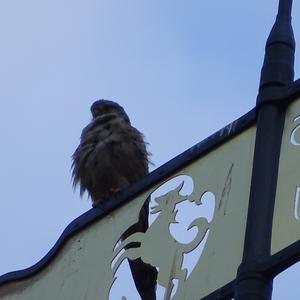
[
  {"x": 296, "y": 206},
  {"x": 293, "y": 134},
  {"x": 160, "y": 248}
]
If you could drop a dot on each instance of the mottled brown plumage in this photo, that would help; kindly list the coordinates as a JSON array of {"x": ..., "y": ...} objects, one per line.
[{"x": 112, "y": 155}]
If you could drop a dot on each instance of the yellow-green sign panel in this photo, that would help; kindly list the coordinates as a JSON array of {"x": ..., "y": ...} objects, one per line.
[
  {"x": 87, "y": 266},
  {"x": 286, "y": 222}
]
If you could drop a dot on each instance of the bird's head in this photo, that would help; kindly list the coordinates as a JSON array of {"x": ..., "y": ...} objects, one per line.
[{"x": 104, "y": 107}]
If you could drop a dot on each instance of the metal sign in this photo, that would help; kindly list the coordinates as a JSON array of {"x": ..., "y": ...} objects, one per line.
[
  {"x": 86, "y": 267},
  {"x": 286, "y": 221}
]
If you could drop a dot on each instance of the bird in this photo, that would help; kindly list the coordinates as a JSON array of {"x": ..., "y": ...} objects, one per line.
[{"x": 111, "y": 155}]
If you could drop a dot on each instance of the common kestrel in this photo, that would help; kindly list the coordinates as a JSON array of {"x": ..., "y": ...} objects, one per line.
[{"x": 112, "y": 155}]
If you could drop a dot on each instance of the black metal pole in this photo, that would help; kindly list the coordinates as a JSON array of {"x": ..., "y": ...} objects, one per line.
[{"x": 277, "y": 72}]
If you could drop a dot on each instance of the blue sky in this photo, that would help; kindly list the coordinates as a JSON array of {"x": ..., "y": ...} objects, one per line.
[{"x": 181, "y": 69}]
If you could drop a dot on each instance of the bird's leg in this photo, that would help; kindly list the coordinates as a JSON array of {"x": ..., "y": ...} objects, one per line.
[{"x": 113, "y": 191}]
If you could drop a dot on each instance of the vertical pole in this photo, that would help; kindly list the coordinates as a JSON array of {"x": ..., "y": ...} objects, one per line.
[{"x": 277, "y": 72}]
